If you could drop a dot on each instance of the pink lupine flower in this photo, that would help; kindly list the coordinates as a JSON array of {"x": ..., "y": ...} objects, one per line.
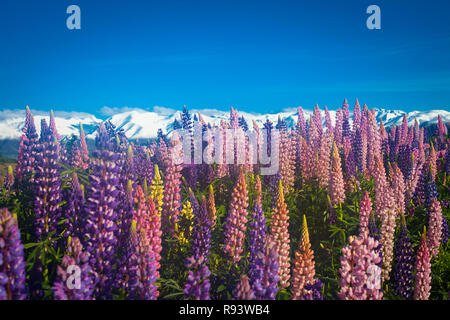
[
  {"x": 360, "y": 273},
  {"x": 172, "y": 182},
  {"x": 235, "y": 225},
  {"x": 280, "y": 235},
  {"x": 381, "y": 187},
  {"x": 356, "y": 116},
  {"x": 434, "y": 228},
  {"x": 398, "y": 188},
  {"x": 365, "y": 209},
  {"x": 317, "y": 120},
  {"x": 328, "y": 123},
  {"x": 338, "y": 127},
  {"x": 388, "y": 223},
  {"x": 149, "y": 222},
  {"x": 53, "y": 126},
  {"x": 432, "y": 161},
  {"x": 301, "y": 125},
  {"x": 303, "y": 271},
  {"x": 422, "y": 285},
  {"x": 374, "y": 143},
  {"x": 336, "y": 185},
  {"x": 323, "y": 166}
]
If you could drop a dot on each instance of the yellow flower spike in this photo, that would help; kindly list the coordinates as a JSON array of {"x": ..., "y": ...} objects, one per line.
[
  {"x": 69, "y": 240},
  {"x": 130, "y": 187},
  {"x": 130, "y": 152},
  {"x": 212, "y": 206},
  {"x": 145, "y": 188},
  {"x": 280, "y": 192},
  {"x": 157, "y": 190},
  {"x": 186, "y": 213},
  {"x": 10, "y": 171},
  {"x": 133, "y": 227},
  {"x": 305, "y": 233}
]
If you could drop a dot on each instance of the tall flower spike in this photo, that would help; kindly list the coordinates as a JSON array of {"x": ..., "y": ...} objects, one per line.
[
  {"x": 74, "y": 258},
  {"x": 146, "y": 268},
  {"x": 365, "y": 208},
  {"x": 235, "y": 225},
  {"x": 149, "y": 222},
  {"x": 434, "y": 228},
  {"x": 263, "y": 270},
  {"x": 303, "y": 272},
  {"x": 403, "y": 279},
  {"x": 172, "y": 197},
  {"x": 47, "y": 184},
  {"x": 388, "y": 223},
  {"x": 360, "y": 273},
  {"x": 422, "y": 285},
  {"x": 185, "y": 225},
  {"x": 256, "y": 236},
  {"x": 398, "y": 189},
  {"x": 336, "y": 185},
  {"x": 12, "y": 262},
  {"x": 212, "y": 206},
  {"x": 279, "y": 233},
  {"x": 157, "y": 190},
  {"x": 197, "y": 286},
  {"x": 74, "y": 211},
  {"x": 101, "y": 216},
  {"x": 27, "y": 148},
  {"x": 323, "y": 167}
]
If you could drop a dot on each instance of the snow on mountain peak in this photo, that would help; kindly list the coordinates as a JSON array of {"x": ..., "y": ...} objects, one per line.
[{"x": 144, "y": 124}]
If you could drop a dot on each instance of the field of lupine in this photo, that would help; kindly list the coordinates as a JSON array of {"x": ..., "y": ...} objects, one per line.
[{"x": 356, "y": 211}]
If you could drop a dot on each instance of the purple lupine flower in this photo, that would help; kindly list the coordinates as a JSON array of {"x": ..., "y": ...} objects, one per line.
[
  {"x": 314, "y": 291},
  {"x": 47, "y": 186},
  {"x": 266, "y": 262},
  {"x": 444, "y": 231},
  {"x": 126, "y": 278},
  {"x": 317, "y": 118},
  {"x": 403, "y": 280},
  {"x": 8, "y": 181},
  {"x": 346, "y": 131},
  {"x": 12, "y": 262},
  {"x": 27, "y": 148},
  {"x": 143, "y": 165},
  {"x": 373, "y": 232},
  {"x": 74, "y": 263},
  {"x": 197, "y": 286},
  {"x": 74, "y": 210},
  {"x": 257, "y": 235},
  {"x": 201, "y": 233},
  {"x": 146, "y": 273},
  {"x": 101, "y": 217},
  {"x": 243, "y": 289},
  {"x": 404, "y": 159}
]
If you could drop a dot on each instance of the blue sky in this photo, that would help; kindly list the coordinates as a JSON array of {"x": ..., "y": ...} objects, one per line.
[{"x": 260, "y": 56}]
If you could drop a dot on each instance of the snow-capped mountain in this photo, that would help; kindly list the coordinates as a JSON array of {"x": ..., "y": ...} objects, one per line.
[{"x": 144, "y": 124}]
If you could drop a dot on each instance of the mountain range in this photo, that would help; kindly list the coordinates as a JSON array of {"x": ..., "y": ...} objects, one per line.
[{"x": 144, "y": 124}]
